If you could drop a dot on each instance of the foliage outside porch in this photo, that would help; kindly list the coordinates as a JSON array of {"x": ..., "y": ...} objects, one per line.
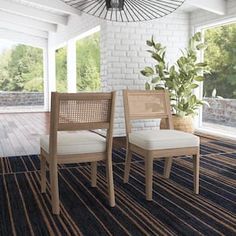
[{"x": 22, "y": 75}]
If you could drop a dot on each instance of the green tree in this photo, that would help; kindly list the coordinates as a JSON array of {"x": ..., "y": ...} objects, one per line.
[
  {"x": 61, "y": 69},
  {"x": 88, "y": 63},
  {"x": 19, "y": 66},
  {"x": 221, "y": 58},
  {"x": 4, "y": 73}
]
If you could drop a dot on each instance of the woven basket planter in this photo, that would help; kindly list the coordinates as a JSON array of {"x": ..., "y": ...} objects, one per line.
[{"x": 183, "y": 123}]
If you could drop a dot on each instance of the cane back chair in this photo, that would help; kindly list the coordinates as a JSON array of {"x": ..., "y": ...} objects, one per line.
[
  {"x": 73, "y": 115},
  {"x": 155, "y": 144}
]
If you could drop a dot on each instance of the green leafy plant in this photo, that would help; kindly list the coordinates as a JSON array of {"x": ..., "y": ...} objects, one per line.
[{"x": 181, "y": 78}]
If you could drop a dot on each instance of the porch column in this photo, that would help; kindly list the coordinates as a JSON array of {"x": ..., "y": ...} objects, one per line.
[
  {"x": 49, "y": 75},
  {"x": 71, "y": 66}
]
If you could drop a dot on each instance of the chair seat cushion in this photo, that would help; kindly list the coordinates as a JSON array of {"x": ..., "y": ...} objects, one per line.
[
  {"x": 163, "y": 139},
  {"x": 81, "y": 142}
]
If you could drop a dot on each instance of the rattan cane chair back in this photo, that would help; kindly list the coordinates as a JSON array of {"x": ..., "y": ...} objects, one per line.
[
  {"x": 81, "y": 111},
  {"x": 141, "y": 105}
]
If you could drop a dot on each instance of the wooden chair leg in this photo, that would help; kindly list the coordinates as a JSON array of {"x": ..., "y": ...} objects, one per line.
[
  {"x": 110, "y": 183},
  {"x": 148, "y": 177},
  {"x": 196, "y": 168},
  {"x": 94, "y": 174},
  {"x": 167, "y": 167},
  {"x": 54, "y": 188},
  {"x": 43, "y": 173},
  {"x": 127, "y": 165}
]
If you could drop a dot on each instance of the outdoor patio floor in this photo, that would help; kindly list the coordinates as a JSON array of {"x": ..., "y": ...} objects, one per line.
[{"x": 20, "y": 133}]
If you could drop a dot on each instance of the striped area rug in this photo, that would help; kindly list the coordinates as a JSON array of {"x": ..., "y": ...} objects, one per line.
[{"x": 175, "y": 210}]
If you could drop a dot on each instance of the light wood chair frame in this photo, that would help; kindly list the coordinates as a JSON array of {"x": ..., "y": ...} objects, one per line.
[
  {"x": 151, "y": 155},
  {"x": 54, "y": 159}
]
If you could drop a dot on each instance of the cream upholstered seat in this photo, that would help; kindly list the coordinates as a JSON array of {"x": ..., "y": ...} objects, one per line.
[
  {"x": 163, "y": 139},
  {"x": 155, "y": 144},
  {"x": 73, "y": 116},
  {"x": 76, "y": 143}
]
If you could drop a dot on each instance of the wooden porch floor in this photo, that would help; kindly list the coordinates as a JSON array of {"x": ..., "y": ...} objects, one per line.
[{"x": 20, "y": 133}]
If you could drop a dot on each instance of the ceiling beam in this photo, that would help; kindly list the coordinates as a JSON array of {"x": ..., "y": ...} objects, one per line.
[
  {"x": 23, "y": 38},
  {"x": 23, "y": 29},
  {"x": 56, "y": 5},
  {"x": 215, "y": 6},
  {"x": 25, "y": 21},
  {"x": 31, "y": 12}
]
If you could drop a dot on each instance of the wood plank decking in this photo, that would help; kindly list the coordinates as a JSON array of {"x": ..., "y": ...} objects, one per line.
[{"x": 20, "y": 133}]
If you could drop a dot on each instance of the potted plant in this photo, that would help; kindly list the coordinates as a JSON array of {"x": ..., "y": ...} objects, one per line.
[{"x": 180, "y": 79}]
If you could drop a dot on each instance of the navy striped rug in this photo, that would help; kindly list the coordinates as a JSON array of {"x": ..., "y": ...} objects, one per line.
[{"x": 175, "y": 210}]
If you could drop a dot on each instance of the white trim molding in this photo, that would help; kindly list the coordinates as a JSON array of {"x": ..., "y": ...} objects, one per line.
[
  {"x": 31, "y": 12},
  {"x": 215, "y": 6}
]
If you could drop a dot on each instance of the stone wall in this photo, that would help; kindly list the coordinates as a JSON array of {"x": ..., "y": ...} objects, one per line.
[
  {"x": 221, "y": 111},
  {"x": 21, "y": 99}
]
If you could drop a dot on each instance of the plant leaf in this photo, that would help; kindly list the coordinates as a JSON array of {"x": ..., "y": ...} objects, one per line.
[
  {"x": 148, "y": 71},
  {"x": 147, "y": 86},
  {"x": 201, "y": 46},
  {"x": 149, "y": 43},
  {"x": 185, "y": 106},
  {"x": 157, "y": 57},
  {"x": 157, "y": 46},
  {"x": 199, "y": 78},
  {"x": 193, "y": 86},
  {"x": 155, "y": 80},
  {"x": 197, "y": 36},
  {"x": 201, "y": 64}
]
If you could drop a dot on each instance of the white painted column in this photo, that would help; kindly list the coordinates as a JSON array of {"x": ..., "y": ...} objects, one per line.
[
  {"x": 50, "y": 73},
  {"x": 71, "y": 66},
  {"x": 52, "y": 69},
  {"x": 45, "y": 79}
]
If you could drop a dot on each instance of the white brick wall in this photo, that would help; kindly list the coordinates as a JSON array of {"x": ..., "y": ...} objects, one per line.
[
  {"x": 123, "y": 51},
  {"x": 123, "y": 54}
]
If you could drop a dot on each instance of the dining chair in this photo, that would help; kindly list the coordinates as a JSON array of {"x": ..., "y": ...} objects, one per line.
[
  {"x": 73, "y": 115},
  {"x": 156, "y": 143}
]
